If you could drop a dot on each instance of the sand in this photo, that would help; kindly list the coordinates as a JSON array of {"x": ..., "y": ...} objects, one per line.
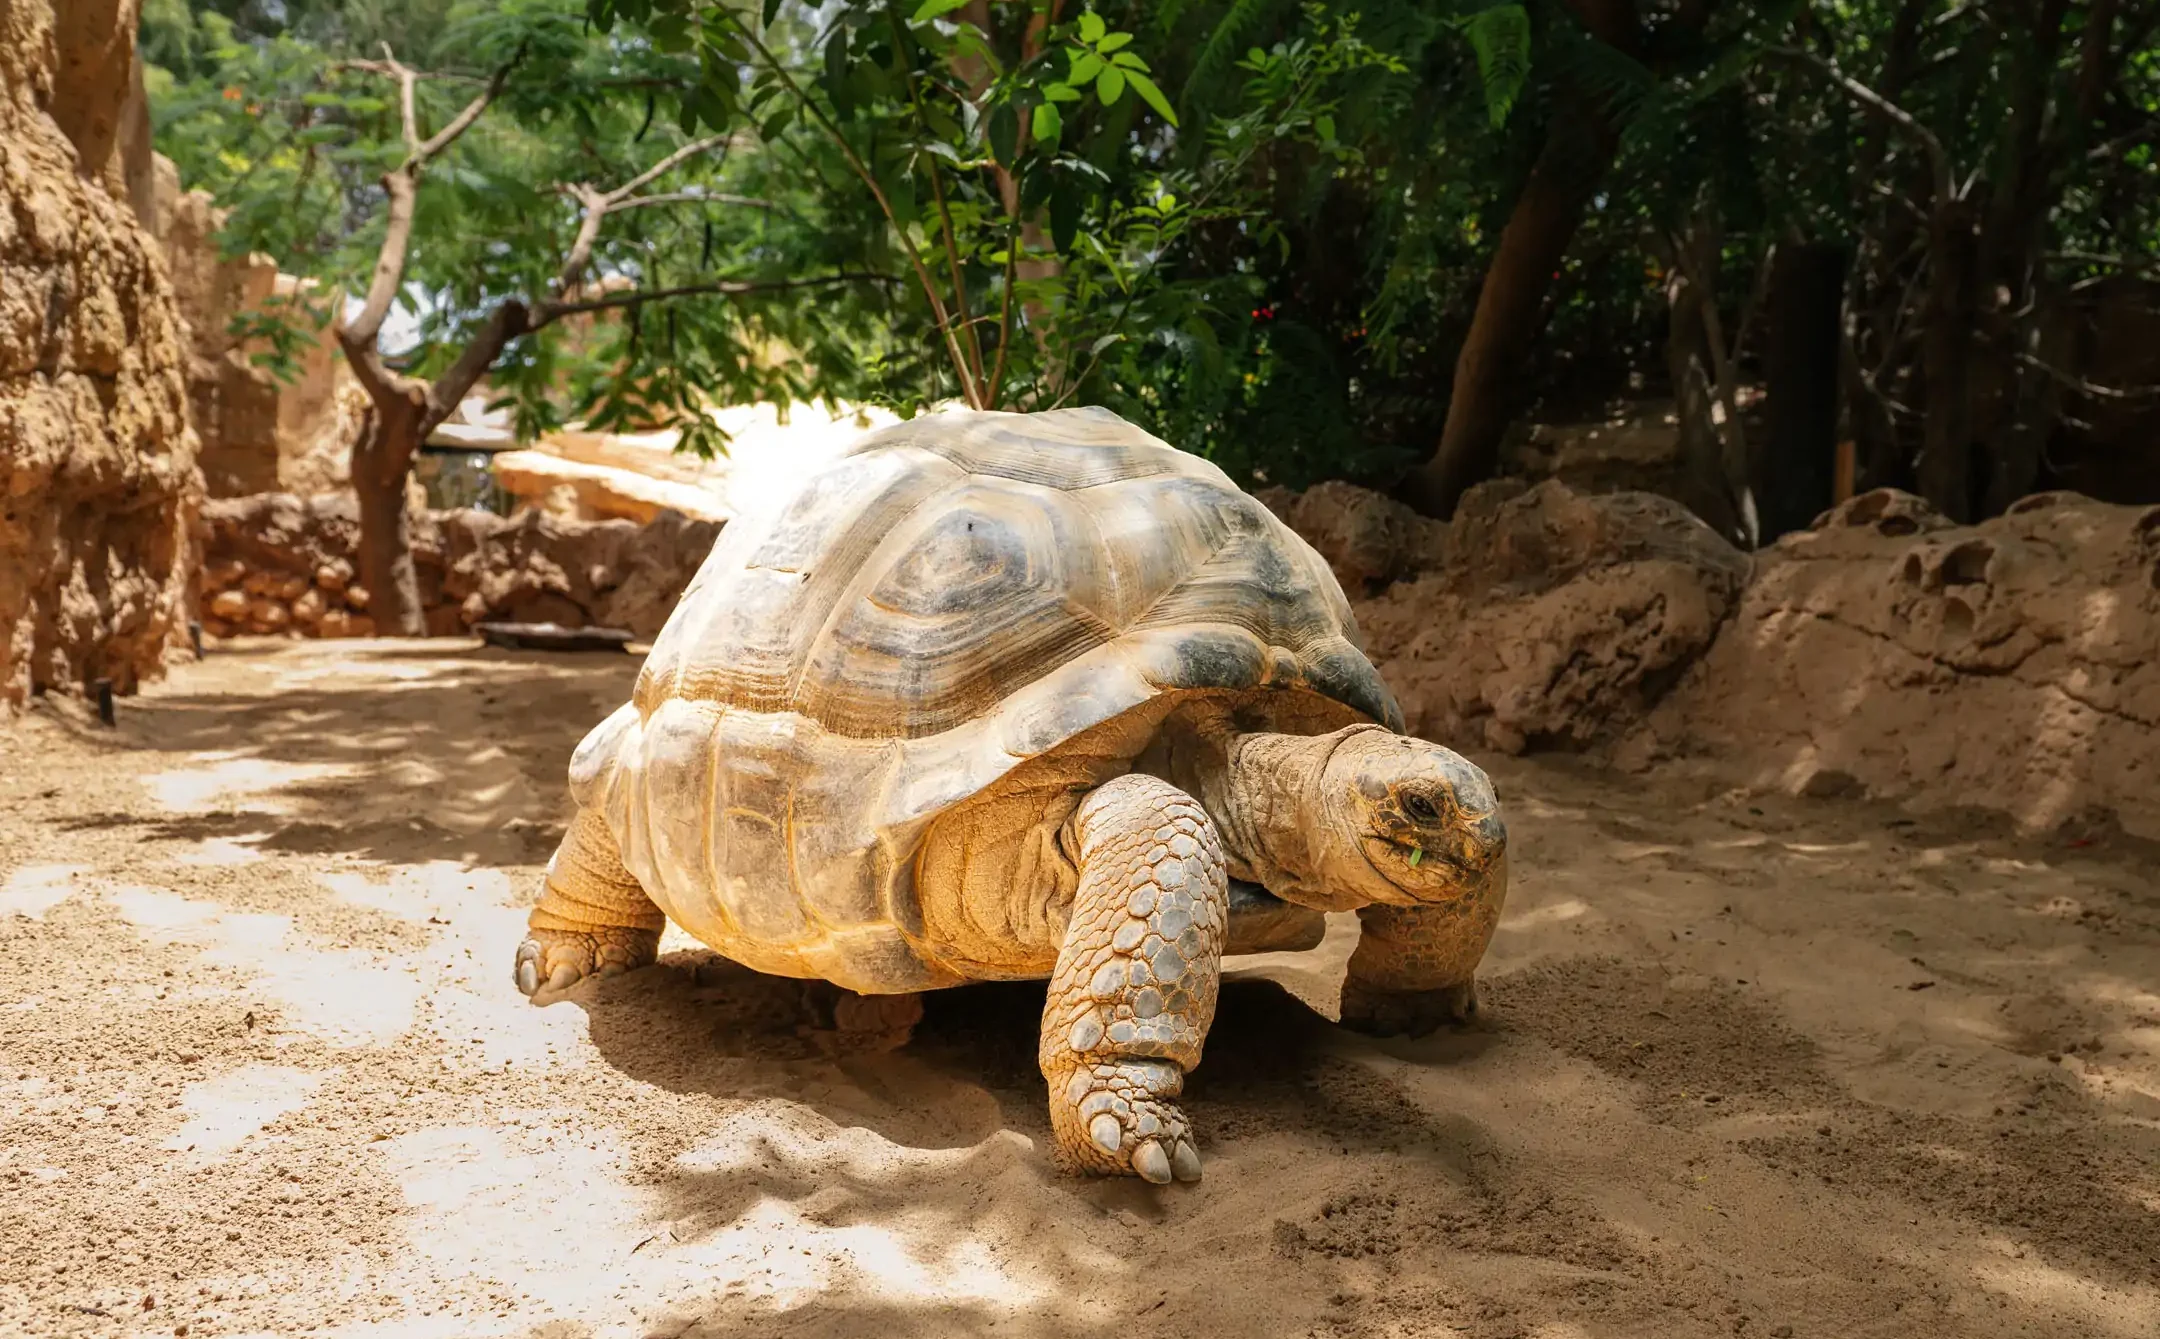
[{"x": 1750, "y": 1065}]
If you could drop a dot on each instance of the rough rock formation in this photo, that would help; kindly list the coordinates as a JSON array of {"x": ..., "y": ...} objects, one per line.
[
  {"x": 576, "y": 488},
  {"x": 275, "y": 563},
  {"x": 1556, "y": 620},
  {"x": 258, "y": 434},
  {"x": 97, "y": 461},
  {"x": 234, "y": 403},
  {"x": 2013, "y": 665},
  {"x": 1368, "y": 539}
]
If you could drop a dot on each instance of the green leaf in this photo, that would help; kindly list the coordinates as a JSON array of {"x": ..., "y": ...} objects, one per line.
[
  {"x": 778, "y": 124},
  {"x": 1092, "y": 27},
  {"x": 1150, "y": 94},
  {"x": 1113, "y": 42},
  {"x": 1061, "y": 93},
  {"x": 1326, "y": 126},
  {"x": 1004, "y": 132},
  {"x": 931, "y": 9},
  {"x": 1500, "y": 38},
  {"x": 1417, "y": 856},
  {"x": 1128, "y": 60},
  {"x": 772, "y": 11},
  {"x": 1085, "y": 66},
  {"x": 1111, "y": 86},
  {"x": 1048, "y": 122}
]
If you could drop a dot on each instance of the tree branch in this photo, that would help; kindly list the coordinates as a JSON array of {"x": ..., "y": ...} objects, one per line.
[
  {"x": 1938, "y": 158},
  {"x": 669, "y": 164},
  {"x": 462, "y": 122},
  {"x": 555, "y": 311},
  {"x": 694, "y": 197},
  {"x": 402, "y": 186},
  {"x": 869, "y": 179}
]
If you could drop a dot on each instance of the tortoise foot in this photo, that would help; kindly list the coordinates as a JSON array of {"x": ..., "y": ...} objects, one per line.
[
  {"x": 1114, "y": 1118},
  {"x": 850, "y": 1024},
  {"x": 1406, "y": 1013},
  {"x": 555, "y": 960}
]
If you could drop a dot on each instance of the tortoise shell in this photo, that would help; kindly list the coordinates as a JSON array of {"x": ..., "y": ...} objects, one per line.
[{"x": 953, "y": 597}]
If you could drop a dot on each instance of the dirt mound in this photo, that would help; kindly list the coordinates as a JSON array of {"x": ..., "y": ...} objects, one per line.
[
  {"x": 97, "y": 463},
  {"x": 1368, "y": 539},
  {"x": 275, "y": 563},
  {"x": 1556, "y": 620},
  {"x": 2012, "y": 666}
]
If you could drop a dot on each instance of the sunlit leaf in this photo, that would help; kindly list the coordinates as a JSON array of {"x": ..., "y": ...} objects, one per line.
[
  {"x": 1047, "y": 122},
  {"x": 1149, "y": 94},
  {"x": 1111, "y": 86}
]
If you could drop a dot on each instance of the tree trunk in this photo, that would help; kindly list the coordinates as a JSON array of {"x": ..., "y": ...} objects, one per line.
[
  {"x": 1509, "y": 306},
  {"x": 381, "y": 461},
  {"x": 1708, "y": 483},
  {"x": 1945, "y": 466},
  {"x": 1579, "y": 144},
  {"x": 1801, "y": 354}
]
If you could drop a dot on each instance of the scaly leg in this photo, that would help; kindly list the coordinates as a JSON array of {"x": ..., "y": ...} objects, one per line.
[
  {"x": 592, "y": 917},
  {"x": 1134, "y": 990},
  {"x": 1416, "y": 967}
]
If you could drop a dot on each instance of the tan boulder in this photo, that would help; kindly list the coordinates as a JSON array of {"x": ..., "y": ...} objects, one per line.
[{"x": 603, "y": 491}]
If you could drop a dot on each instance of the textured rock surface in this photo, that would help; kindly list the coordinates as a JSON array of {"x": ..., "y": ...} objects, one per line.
[
  {"x": 1368, "y": 539},
  {"x": 2012, "y": 666},
  {"x": 1556, "y": 620},
  {"x": 276, "y": 563},
  {"x": 605, "y": 492},
  {"x": 97, "y": 461},
  {"x": 234, "y": 404}
]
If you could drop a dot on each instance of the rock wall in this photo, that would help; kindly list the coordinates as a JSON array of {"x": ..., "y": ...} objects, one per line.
[
  {"x": 2011, "y": 666},
  {"x": 279, "y": 564},
  {"x": 98, "y": 481},
  {"x": 234, "y": 404},
  {"x": 1555, "y": 620},
  {"x": 258, "y": 434}
]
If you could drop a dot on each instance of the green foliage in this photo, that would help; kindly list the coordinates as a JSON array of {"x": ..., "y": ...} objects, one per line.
[
  {"x": 1500, "y": 35},
  {"x": 1257, "y": 227}
]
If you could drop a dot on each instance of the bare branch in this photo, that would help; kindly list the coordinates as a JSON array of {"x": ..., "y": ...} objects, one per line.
[
  {"x": 2121, "y": 144},
  {"x": 1939, "y": 169},
  {"x": 555, "y": 311},
  {"x": 402, "y": 186},
  {"x": 2093, "y": 389},
  {"x": 693, "y": 198},
  {"x": 462, "y": 122},
  {"x": 668, "y": 164}
]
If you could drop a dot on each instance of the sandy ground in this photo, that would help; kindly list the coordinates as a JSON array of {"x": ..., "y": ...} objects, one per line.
[{"x": 1749, "y": 1066}]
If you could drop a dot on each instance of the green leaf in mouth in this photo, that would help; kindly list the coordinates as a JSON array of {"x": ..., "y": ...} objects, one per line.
[{"x": 1417, "y": 853}]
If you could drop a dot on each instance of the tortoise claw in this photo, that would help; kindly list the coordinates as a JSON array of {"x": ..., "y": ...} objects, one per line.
[
  {"x": 1185, "y": 1162},
  {"x": 1152, "y": 1163}
]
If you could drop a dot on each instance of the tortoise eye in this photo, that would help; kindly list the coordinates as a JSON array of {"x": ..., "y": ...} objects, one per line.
[{"x": 1420, "y": 809}]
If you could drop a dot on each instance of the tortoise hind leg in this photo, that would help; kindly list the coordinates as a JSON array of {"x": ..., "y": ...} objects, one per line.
[
  {"x": 593, "y": 918},
  {"x": 1134, "y": 989}
]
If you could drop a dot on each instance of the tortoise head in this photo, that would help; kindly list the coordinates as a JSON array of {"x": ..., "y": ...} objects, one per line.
[{"x": 1408, "y": 821}]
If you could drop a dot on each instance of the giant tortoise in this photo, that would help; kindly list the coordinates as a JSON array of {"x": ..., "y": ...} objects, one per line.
[{"x": 1024, "y": 696}]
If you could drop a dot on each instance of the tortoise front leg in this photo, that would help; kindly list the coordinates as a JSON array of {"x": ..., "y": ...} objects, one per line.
[
  {"x": 1416, "y": 967},
  {"x": 593, "y": 917},
  {"x": 1134, "y": 989}
]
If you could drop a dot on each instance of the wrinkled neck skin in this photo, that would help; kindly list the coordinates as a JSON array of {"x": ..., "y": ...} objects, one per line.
[{"x": 1264, "y": 792}]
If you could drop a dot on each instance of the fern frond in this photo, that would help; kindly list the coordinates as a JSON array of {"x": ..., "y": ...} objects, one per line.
[{"x": 1500, "y": 38}]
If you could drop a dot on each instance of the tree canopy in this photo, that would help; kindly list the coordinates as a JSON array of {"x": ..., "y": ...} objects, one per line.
[{"x": 1306, "y": 240}]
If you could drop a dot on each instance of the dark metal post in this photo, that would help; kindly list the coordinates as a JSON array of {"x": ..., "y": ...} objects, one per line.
[{"x": 103, "y": 689}]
